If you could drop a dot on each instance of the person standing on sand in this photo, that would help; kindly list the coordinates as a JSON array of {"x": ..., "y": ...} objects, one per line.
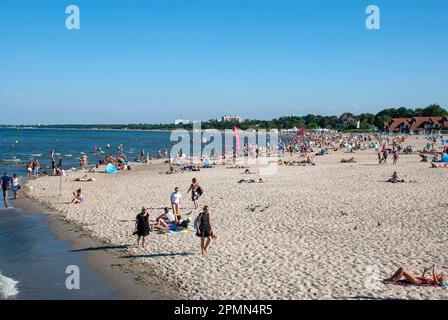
[
  {"x": 175, "y": 203},
  {"x": 196, "y": 192},
  {"x": 204, "y": 229},
  {"x": 380, "y": 158},
  {"x": 395, "y": 157},
  {"x": 142, "y": 226},
  {"x": 15, "y": 186},
  {"x": 35, "y": 167},
  {"x": 29, "y": 169},
  {"x": 53, "y": 167},
  {"x": 385, "y": 154},
  {"x": 6, "y": 185}
]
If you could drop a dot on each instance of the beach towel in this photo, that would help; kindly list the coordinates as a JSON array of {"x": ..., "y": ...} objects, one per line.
[{"x": 172, "y": 229}]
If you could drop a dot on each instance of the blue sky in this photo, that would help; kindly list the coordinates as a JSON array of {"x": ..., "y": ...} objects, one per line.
[{"x": 157, "y": 60}]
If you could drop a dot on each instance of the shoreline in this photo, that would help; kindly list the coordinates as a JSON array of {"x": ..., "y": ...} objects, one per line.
[{"x": 131, "y": 279}]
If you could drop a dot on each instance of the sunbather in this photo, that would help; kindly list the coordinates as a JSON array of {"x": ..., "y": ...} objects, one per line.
[
  {"x": 85, "y": 178},
  {"x": 395, "y": 178},
  {"x": 439, "y": 165},
  {"x": 437, "y": 279}
]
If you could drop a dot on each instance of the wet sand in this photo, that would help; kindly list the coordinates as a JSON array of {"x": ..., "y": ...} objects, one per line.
[{"x": 132, "y": 281}]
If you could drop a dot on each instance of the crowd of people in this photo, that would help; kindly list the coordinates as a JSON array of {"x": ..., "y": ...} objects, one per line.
[
  {"x": 301, "y": 148},
  {"x": 171, "y": 219}
]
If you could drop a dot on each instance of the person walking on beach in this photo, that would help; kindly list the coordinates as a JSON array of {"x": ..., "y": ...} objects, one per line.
[
  {"x": 142, "y": 226},
  {"x": 204, "y": 229},
  {"x": 196, "y": 192},
  {"x": 15, "y": 186},
  {"x": 175, "y": 203},
  {"x": 6, "y": 185}
]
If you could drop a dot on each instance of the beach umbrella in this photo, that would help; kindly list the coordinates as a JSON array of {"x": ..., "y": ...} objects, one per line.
[
  {"x": 445, "y": 157},
  {"x": 110, "y": 168}
]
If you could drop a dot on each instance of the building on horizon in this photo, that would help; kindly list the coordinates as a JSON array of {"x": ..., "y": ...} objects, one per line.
[
  {"x": 181, "y": 121},
  {"x": 416, "y": 124},
  {"x": 232, "y": 118},
  {"x": 346, "y": 119}
]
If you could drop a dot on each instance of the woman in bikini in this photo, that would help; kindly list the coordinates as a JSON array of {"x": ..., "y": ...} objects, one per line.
[{"x": 437, "y": 279}]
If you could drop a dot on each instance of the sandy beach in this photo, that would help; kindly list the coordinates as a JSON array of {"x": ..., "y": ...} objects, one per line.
[{"x": 328, "y": 231}]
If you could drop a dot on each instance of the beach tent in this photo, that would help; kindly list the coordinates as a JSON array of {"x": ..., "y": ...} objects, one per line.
[
  {"x": 445, "y": 157},
  {"x": 110, "y": 168}
]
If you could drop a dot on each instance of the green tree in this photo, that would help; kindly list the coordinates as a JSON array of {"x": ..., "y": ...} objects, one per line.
[{"x": 433, "y": 110}]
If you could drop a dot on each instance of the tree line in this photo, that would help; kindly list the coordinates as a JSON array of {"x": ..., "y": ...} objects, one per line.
[{"x": 368, "y": 121}]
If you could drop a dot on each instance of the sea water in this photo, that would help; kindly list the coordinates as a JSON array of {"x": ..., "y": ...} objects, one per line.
[
  {"x": 33, "y": 262},
  {"x": 19, "y": 146}
]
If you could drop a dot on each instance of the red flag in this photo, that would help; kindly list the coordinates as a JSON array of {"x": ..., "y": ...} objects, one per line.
[{"x": 237, "y": 138}]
